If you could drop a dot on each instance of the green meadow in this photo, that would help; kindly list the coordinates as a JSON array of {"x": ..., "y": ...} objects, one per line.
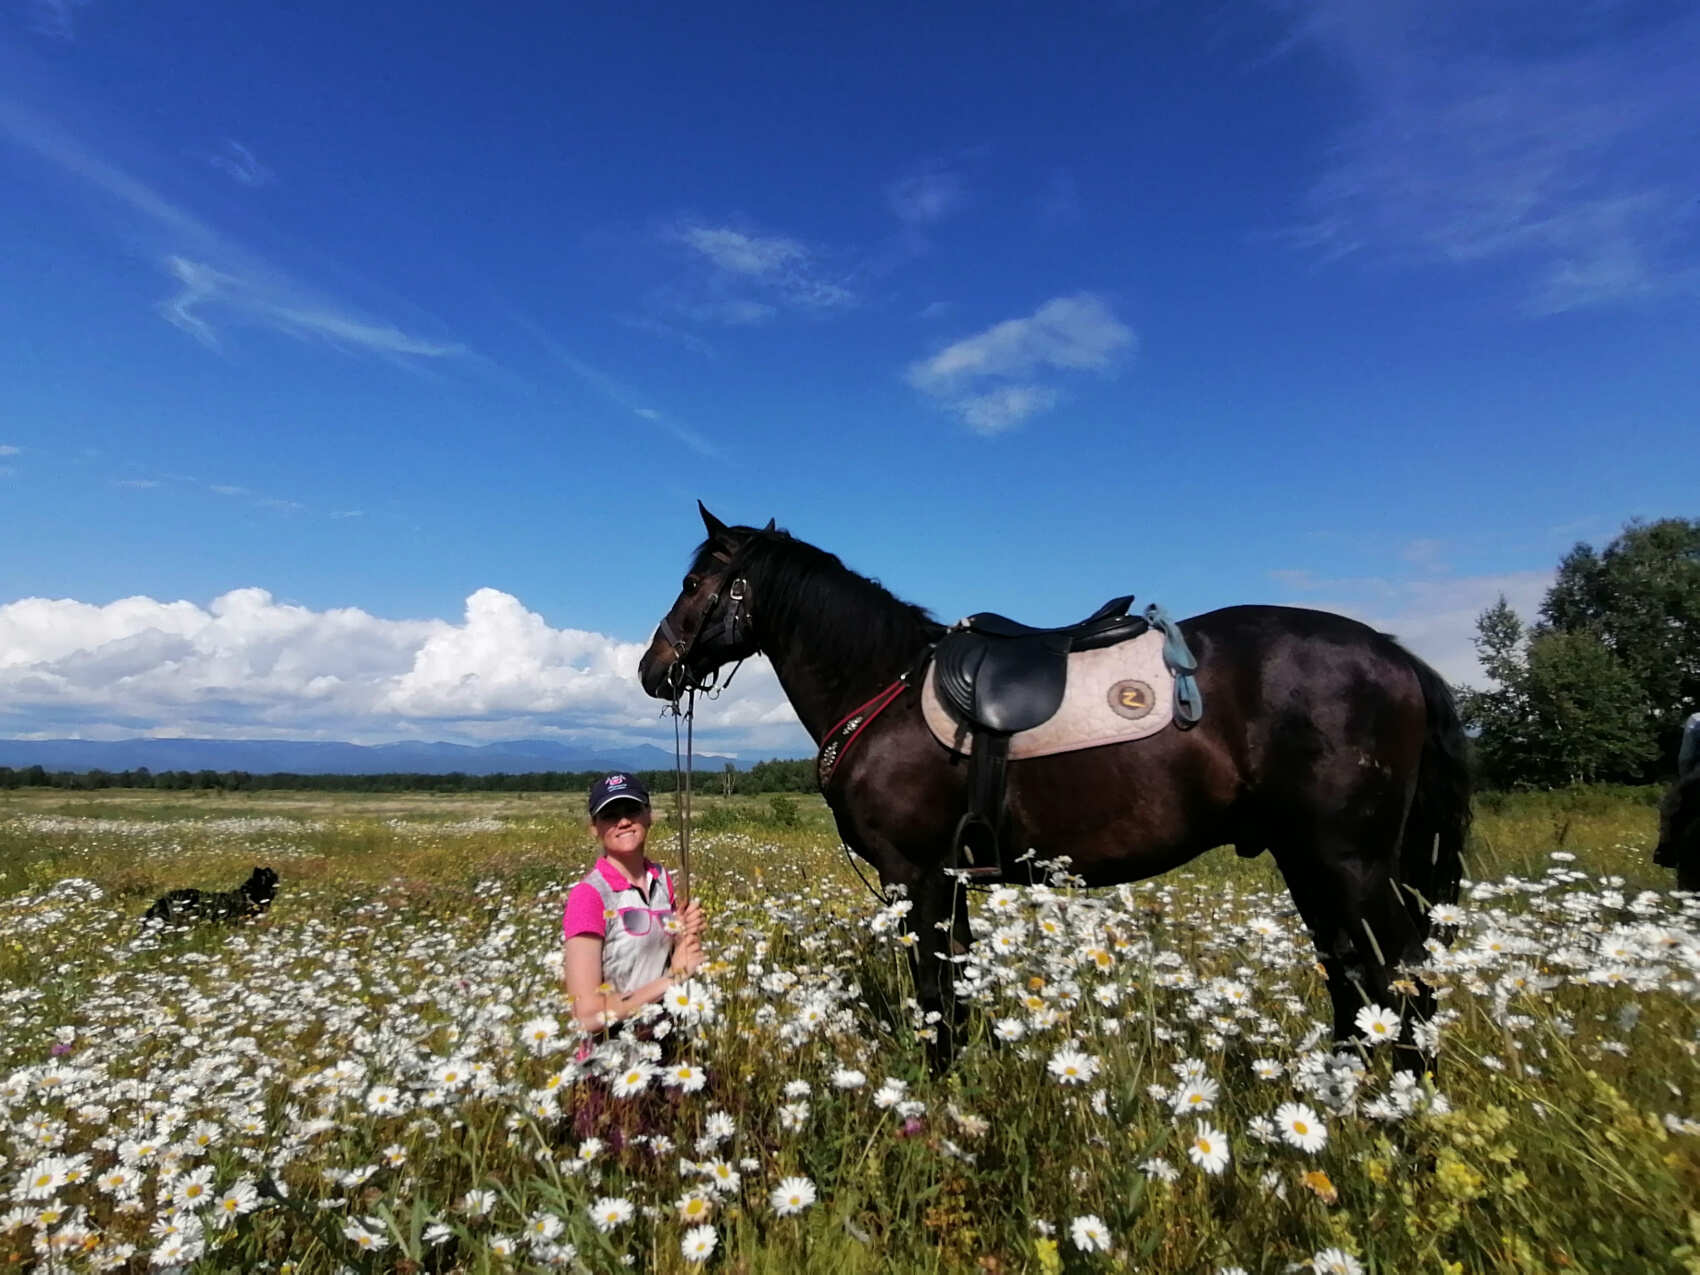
[{"x": 379, "y": 1074}]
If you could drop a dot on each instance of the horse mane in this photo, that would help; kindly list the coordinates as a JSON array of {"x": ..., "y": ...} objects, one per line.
[{"x": 855, "y": 621}]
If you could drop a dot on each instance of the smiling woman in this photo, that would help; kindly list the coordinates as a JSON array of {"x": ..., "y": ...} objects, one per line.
[{"x": 625, "y": 937}]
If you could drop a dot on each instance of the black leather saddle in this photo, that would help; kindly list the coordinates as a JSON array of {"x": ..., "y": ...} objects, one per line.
[{"x": 997, "y": 674}]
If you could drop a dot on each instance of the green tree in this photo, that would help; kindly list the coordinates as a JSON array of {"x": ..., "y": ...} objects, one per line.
[
  {"x": 1599, "y": 689},
  {"x": 1565, "y": 710},
  {"x": 1641, "y": 598}
]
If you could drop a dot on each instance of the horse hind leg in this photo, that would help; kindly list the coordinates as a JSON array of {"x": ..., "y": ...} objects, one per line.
[{"x": 1363, "y": 931}]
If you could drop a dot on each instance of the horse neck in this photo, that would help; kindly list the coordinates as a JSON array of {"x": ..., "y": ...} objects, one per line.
[{"x": 823, "y": 691}]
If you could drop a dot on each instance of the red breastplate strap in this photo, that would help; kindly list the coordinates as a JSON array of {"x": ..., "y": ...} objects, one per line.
[{"x": 841, "y": 736}]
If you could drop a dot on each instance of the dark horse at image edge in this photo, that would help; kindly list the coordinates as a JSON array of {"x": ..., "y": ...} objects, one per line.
[{"x": 1322, "y": 742}]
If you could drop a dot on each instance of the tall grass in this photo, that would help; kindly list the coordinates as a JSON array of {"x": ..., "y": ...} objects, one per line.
[{"x": 307, "y": 1052}]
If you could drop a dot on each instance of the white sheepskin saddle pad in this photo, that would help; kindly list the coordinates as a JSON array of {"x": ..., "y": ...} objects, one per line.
[{"x": 1113, "y": 694}]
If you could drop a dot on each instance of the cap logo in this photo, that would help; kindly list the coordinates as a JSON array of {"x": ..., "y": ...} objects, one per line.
[{"x": 616, "y": 781}]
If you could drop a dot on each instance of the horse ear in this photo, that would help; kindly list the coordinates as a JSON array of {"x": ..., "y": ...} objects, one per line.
[
  {"x": 769, "y": 526},
  {"x": 714, "y": 525}
]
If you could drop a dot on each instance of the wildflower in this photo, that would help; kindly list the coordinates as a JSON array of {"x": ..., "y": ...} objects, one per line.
[
  {"x": 1072, "y": 1066},
  {"x": 793, "y": 1116},
  {"x": 177, "y": 1250},
  {"x": 1209, "y": 1149},
  {"x": 1090, "y": 1234},
  {"x": 368, "y": 1238},
  {"x": 239, "y": 1199},
  {"x": 797, "y": 1089},
  {"x": 610, "y": 1211},
  {"x": 385, "y": 1100},
  {"x": 848, "y": 1078},
  {"x": 1300, "y": 1126},
  {"x": 633, "y": 1080},
  {"x": 451, "y": 1075},
  {"x": 539, "y": 1032},
  {"x": 45, "y": 1178},
  {"x": 719, "y": 1126},
  {"x": 1159, "y": 1168},
  {"x": 1266, "y": 1069},
  {"x": 542, "y": 1227},
  {"x": 1009, "y": 1029},
  {"x": 1335, "y": 1261},
  {"x": 192, "y": 1192},
  {"x": 792, "y": 1195},
  {"x": 722, "y": 1177},
  {"x": 1320, "y": 1185},
  {"x": 478, "y": 1203},
  {"x": 684, "y": 1077},
  {"x": 694, "y": 1206},
  {"x": 1378, "y": 1023},
  {"x": 698, "y": 1243},
  {"x": 1199, "y": 1096},
  {"x": 890, "y": 1093}
]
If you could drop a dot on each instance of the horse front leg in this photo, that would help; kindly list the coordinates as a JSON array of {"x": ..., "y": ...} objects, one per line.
[{"x": 938, "y": 924}]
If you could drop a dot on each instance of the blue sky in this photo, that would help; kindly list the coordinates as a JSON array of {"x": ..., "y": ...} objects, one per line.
[{"x": 360, "y": 366}]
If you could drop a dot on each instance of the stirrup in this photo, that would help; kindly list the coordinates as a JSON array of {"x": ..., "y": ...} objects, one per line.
[{"x": 974, "y": 848}]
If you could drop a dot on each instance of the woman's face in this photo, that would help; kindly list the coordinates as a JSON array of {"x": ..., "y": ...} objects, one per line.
[{"x": 622, "y": 826}]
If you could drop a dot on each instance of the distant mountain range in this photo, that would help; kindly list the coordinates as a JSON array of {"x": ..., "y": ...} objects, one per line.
[{"x": 310, "y": 757}]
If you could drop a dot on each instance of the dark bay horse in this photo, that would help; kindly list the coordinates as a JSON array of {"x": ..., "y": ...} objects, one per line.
[{"x": 1322, "y": 741}]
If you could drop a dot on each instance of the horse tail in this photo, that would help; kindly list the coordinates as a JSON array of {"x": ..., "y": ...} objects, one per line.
[{"x": 1431, "y": 856}]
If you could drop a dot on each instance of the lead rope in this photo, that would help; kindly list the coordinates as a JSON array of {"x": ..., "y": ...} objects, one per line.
[{"x": 682, "y": 789}]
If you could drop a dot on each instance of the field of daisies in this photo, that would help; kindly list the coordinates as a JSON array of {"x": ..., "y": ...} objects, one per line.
[{"x": 380, "y": 1073}]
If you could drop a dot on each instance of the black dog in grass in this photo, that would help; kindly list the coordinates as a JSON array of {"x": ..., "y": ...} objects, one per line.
[{"x": 251, "y": 898}]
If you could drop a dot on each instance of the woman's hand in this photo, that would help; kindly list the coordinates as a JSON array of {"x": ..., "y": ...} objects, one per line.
[
  {"x": 690, "y": 920},
  {"x": 687, "y": 954}
]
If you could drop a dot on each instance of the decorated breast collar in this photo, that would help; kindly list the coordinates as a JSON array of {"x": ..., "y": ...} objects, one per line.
[{"x": 841, "y": 736}]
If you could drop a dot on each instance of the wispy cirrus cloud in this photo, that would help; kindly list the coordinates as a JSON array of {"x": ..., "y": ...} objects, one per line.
[
  {"x": 998, "y": 378},
  {"x": 239, "y": 164},
  {"x": 1556, "y": 140},
  {"x": 748, "y": 277},
  {"x": 926, "y": 198},
  {"x": 218, "y": 281},
  {"x": 206, "y": 289},
  {"x": 55, "y": 19}
]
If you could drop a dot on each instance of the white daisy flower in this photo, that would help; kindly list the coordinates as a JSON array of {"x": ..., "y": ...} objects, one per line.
[
  {"x": 792, "y": 1195},
  {"x": 1090, "y": 1234}
]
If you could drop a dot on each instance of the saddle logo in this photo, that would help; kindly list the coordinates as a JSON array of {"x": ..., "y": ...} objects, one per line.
[{"x": 1132, "y": 699}]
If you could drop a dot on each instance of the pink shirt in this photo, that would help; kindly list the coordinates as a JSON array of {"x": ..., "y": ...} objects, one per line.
[{"x": 634, "y": 921}]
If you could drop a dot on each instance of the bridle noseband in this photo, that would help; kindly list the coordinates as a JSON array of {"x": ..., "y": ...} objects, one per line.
[{"x": 731, "y": 598}]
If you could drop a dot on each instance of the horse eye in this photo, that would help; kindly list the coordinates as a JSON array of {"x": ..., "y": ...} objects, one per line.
[{"x": 691, "y": 583}]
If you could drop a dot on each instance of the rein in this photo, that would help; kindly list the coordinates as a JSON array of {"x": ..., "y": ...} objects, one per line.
[
  {"x": 685, "y": 685},
  {"x": 682, "y": 784}
]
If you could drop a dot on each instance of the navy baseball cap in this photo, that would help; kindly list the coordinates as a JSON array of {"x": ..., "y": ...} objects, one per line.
[{"x": 617, "y": 787}]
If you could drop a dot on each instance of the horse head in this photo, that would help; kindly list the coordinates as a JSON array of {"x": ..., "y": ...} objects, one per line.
[{"x": 710, "y": 623}]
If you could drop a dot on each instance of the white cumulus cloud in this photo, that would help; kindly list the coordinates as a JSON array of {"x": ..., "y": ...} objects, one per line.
[
  {"x": 988, "y": 379},
  {"x": 248, "y": 666}
]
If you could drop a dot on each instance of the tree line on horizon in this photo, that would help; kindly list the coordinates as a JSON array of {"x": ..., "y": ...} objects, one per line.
[{"x": 778, "y": 775}]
